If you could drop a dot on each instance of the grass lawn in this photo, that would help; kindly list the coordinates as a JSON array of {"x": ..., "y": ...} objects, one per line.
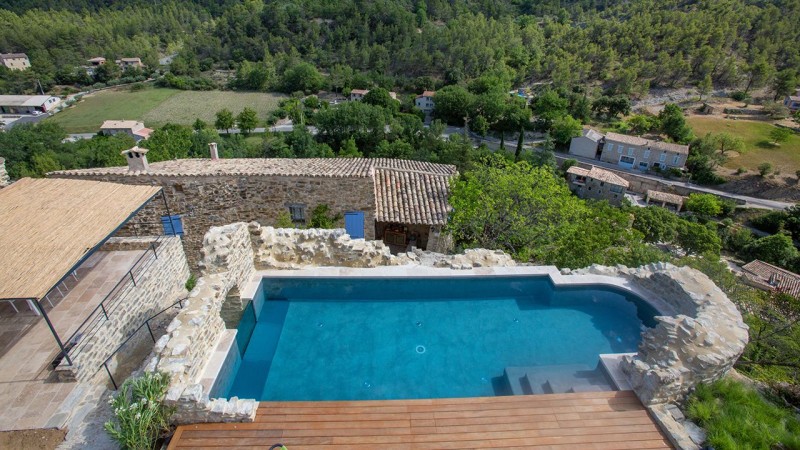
[
  {"x": 755, "y": 135},
  {"x": 88, "y": 114},
  {"x": 158, "y": 106}
]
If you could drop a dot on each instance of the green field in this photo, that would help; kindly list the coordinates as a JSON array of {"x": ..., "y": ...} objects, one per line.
[
  {"x": 158, "y": 106},
  {"x": 755, "y": 135}
]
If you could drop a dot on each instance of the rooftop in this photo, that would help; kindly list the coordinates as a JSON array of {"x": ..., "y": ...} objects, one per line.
[
  {"x": 599, "y": 174},
  {"x": 308, "y": 167},
  {"x": 592, "y": 134},
  {"x": 359, "y": 91},
  {"x": 44, "y": 232},
  {"x": 427, "y": 94},
  {"x": 642, "y": 142},
  {"x": 411, "y": 197},
  {"x": 12, "y": 55},
  {"x": 23, "y": 100},
  {"x": 125, "y": 124},
  {"x": 773, "y": 276},
  {"x": 665, "y": 197}
]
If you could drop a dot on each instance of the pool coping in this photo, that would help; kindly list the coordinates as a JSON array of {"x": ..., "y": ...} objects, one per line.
[{"x": 416, "y": 271}]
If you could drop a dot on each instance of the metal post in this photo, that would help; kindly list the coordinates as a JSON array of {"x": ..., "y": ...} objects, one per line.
[
  {"x": 53, "y": 330},
  {"x": 147, "y": 322},
  {"x": 169, "y": 214},
  {"x": 132, "y": 279},
  {"x": 104, "y": 310},
  {"x": 105, "y": 364}
]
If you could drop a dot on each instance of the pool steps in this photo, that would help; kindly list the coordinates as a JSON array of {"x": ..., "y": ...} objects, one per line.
[{"x": 556, "y": 379}]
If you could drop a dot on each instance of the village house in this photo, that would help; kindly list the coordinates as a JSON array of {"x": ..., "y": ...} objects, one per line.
[
  {"x": 664, "y": 200},
  {"x": 126, "y": 63},
  {"x": 134, "y": 129},
  {"x": 425, "y": 102},
  {"x": 598, "y": 184},
  {"x": 15, "y": 61},
  {"x": 793, "y": 102},
  {"x": 358, "y": 94},
  {"x": 96, "y": 61},
  {"x": 767, "y": 277},
  {"x": 28, "y": 104},
  {"x": 402, "y": 202},
  {"x": 629, "y": 152}
]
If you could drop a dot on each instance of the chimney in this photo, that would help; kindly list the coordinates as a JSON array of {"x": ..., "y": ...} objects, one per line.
[
  {"x": 212, "y": 146},
  {"x": 137, "y": 159}
]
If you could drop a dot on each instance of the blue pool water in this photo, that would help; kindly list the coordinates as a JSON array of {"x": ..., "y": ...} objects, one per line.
[{"x": 362, "y": 339}]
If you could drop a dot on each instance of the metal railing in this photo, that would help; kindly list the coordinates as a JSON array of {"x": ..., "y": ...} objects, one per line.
[
  {"x": 152, "y": 336},
  {"x": 110, "y": 303}
]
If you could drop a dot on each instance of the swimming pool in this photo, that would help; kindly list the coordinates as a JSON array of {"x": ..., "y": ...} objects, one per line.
[{"x": 395, "y": 338}]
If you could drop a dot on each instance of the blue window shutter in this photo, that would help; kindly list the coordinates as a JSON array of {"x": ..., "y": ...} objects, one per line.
[{"x": 173, "y": 225}]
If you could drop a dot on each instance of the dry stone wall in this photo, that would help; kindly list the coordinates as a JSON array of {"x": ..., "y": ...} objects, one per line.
[
  {"x": 160, "y": 283},
  {"x": 698, "y": 345},
  {"x": 4, "y": 178},
  {"x": 209, "y": 201}
]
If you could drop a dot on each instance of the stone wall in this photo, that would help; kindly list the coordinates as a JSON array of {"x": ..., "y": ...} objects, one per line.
[
  {"x": 699, "y": 344},
  {"x": 159, "y": 284},
  {"x": 208, "y": 201}
]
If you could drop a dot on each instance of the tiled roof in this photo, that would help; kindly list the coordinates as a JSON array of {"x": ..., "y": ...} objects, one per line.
[
  {"x": 144, "y": 132},
  {"x": 665, "y": 197},
  {"x": 311, "y": 167},
  {"x": 411, "y": 197},
  {"x": 592, "y": 134},
  {"x": 427, "y": 94},
  {"x": 642, "y": 142},
  {"x": 12, "y": 55},
  {"x": 774, "y": 277},
  {"x": 114, "y": 124},
  {"x": 599, "y": 174},
  {"x": 794, "y": 98},
  {"x": 360, "y": 91}
]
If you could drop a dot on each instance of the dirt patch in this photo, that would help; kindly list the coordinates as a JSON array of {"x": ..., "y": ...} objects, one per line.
[
  {"x": 41, "y": 439},
  {"x": 773, "y": 187}
]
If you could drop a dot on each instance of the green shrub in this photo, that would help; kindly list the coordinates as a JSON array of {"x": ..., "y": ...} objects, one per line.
[
  {"x": 284, "y": 220},
  {"x": 739, "y": 96},
  {"x": 139, "y": 416},
  {"x": 191, "y": 282},
  {"x": 742, "y": 170},
  {"x": 322, "y": 218},
  {"x": 737, "y": 417},
  {"x": 764, "y": 169}
]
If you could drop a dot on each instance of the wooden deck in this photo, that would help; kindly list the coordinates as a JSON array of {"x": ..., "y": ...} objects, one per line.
[{"x": 596, "y": 420}]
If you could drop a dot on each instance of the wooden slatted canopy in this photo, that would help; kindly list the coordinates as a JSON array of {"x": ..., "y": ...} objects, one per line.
[{"x": 47, "y": 226}]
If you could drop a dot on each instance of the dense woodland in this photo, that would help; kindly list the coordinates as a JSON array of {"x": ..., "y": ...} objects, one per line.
[{"x": 628, "y": 46}]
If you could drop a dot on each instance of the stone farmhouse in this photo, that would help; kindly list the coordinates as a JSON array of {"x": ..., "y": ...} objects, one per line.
[
  {"x": 134, "y": 129},
  {"x": 125, "y": 63},
  {"x": 767, "y": 277},
  {"x": 15, "y": 61},
  {"x": 793, "y": 102},
  {"x": 629, "y": 152},
  {"x": 358, "y": 94},
  {"x": 664, "y": 199},
  {"x": 425, "y": 101},
  {"x": 598, "y": 184},
  {"x": 402, "y": 202}
]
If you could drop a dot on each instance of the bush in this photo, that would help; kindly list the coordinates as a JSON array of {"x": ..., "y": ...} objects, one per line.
[
  {"x": 322, "y": 218},
  {"x": 764, "y": 169},
  {"x": 284, "y": 220},
  {"x": 737, "y": 417},
  {"x": 739, "y": 96},
  {"x": 571, "y": 162},
  {"x": 191, "y": 282},
  {"x": 139, "y": 416},
  {"x": 742, "y": 170}
]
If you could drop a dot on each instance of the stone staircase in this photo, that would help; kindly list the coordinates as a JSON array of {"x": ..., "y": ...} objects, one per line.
[{"x": 556, "y": 379}]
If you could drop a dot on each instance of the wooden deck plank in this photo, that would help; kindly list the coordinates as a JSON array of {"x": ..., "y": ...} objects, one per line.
[{"x": 596, "y": 420}]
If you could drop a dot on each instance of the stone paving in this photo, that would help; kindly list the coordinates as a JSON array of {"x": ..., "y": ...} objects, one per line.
[{"x": 30, "y": 398}]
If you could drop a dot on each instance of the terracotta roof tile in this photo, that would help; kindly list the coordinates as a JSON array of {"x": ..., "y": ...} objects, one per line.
[
  {"x": 642, "y": 142},
  {"x": 773, "y": 276},
  {"x": 665, "y": 197},
  {"x": 411, "y": 197}
]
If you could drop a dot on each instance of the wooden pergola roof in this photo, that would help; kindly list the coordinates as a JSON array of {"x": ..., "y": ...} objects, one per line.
[{"x": 48, "y": 226}]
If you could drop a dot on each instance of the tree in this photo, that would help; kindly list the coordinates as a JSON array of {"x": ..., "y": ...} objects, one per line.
[
  {"x": 697, "y": 239},
  {"x": 674, "y": 124},
  {"x": 302, "y": 77},
  {"x": 775, "y": 249},
  {"x": 247, "y": 120},
  {"x": 764, "y": 169},
  {"x": 656, "y": 223},
  {"x": 705, "y": 86},
  {"x": 453, "y": 103},
  {"x": 548, "y": 107},
  {"x": 199, "y": 124},
  {"x": 640, "y": 123},
  {"x": 224, "y": 120},
  {"x": 564, "y": 129},
  {"x": 381, "y": 97},
  {"x": 725, "y": 142},
  {"x": 780, "y": 135},
  {"x": 168, "y": 142},
  {"x": 757, "y": 74},
  {"x": 704, "y": 205},
  {"x": 784, "y": 83},
  {"x": 350, "y": 150}
]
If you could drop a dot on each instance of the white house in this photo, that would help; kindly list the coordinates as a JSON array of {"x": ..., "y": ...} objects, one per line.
[
  {"x": 629, "y": 152},
  {"x": 425, "y": 102},
  {"x": 134, "y": 129},
  {"x": 588, "y": 144},
  {"x": 15, "y": 61},
  {"x": 27, "y": 104},
  {"x": 358, "y": 94},
  {"x": 793, "y": 102}
]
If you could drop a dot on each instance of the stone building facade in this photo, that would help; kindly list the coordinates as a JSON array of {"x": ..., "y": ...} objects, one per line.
[
  {"x": 597, "y": 184},
  {"x": 409, "y": 195}
]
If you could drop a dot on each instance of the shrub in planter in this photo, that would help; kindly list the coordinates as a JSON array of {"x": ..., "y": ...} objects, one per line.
[{"x": 140, "y": 418}]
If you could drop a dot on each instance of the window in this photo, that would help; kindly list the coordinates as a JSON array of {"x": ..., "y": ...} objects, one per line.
[
  {"x": 619, "y": 148},
  {"x": 663, "y": 157},
  {"x": 298, "y": 213},
  {"x": 676, "y": 159},
  {"x": 626, "y": 160},
  {"x": 647, "y": 154},
  {"x": 173, "y": 225},
  {"x": 616, "y": 189},
  {"x": 630, "y": 151},
  {"x": 602, "y": 183}
]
